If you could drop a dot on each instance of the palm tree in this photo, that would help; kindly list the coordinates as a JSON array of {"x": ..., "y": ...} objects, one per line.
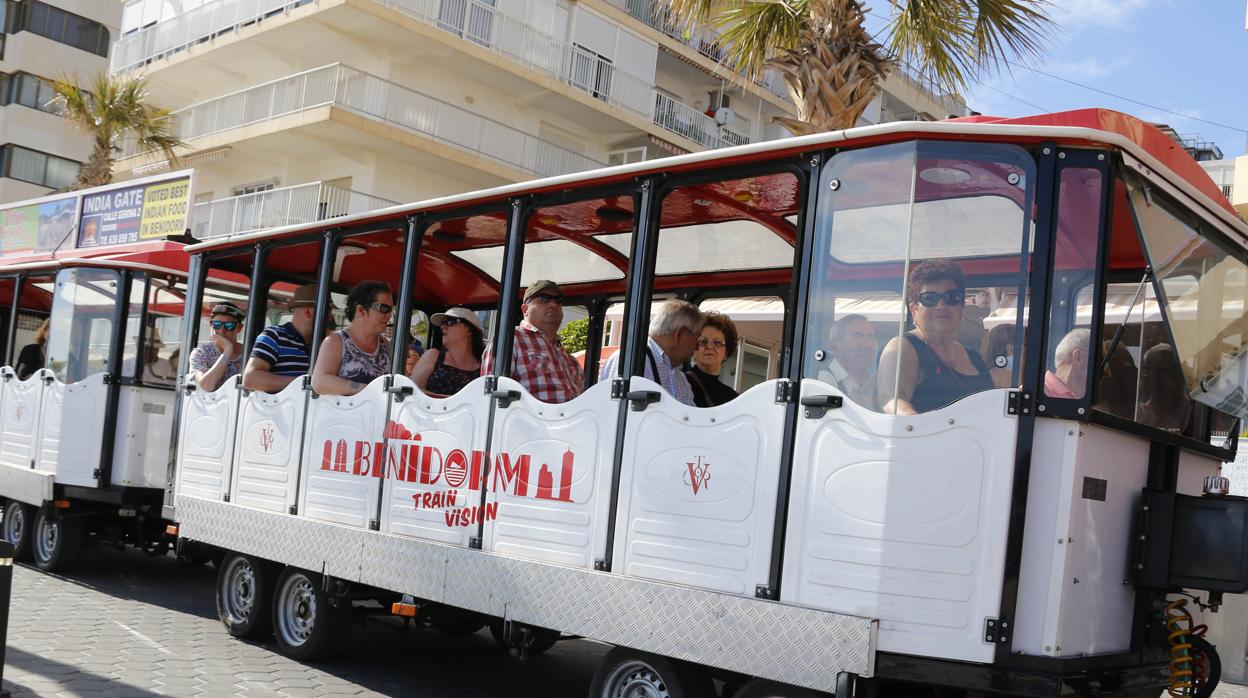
[
  {"x": 833, "y": 66},
  {"x": 110, "y": 111}
]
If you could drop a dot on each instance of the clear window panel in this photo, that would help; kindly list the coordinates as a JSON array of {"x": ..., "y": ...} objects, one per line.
[{"x": 81, "y": 330}]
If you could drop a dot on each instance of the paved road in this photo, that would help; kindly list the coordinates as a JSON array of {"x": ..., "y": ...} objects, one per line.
[{"x": 127, "y": 625}]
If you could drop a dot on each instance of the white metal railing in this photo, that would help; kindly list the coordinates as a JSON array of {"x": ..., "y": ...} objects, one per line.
[
  {"x": 471, "y": 20},
  {"x": 374, "y": 97},
  {"x": 698, "y": 127},
  {"x": 302, "y": 203}
]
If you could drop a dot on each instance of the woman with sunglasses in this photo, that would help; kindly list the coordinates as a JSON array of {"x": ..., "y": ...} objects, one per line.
[
  {"x": 716, "y": 343},
  {"x": 445, "y": 371},
  {"x": 221, "y": 358},
  {"x": 927, "y": 368},
  {"x": 353, "y": 357}
]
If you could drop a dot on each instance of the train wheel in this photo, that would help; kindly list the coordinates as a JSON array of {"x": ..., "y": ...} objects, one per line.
[
  {"x": 57, "y": 541},
  {"x": 16, "y": 526},
  {"x": 761, "y": 688},
  {"x": 245, "y": 595},
  {"x": 632, "y": 674},
  {"x": 308, "y": 624},
  {"x": 1208, "y": 667}
]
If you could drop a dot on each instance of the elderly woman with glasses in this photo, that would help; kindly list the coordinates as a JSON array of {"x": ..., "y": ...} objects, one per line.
[
  {"x": 927, "y": 368},
  {"x": 445, "y": 371},
  {"x": 221, "y": 358},
  {"x": 716, "y": 343},
  {"x": 354, "y": 356}
]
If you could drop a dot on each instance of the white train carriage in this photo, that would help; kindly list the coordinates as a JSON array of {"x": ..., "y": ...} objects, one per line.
[{"x": 1015, "y": 524}]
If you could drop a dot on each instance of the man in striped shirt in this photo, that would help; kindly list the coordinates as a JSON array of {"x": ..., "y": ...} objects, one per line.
[{"x": 282, "y": 352}]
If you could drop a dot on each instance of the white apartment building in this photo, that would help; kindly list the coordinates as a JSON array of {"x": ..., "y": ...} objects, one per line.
[
  {"x": 301, "y": 109},
  {"x": 42, "y": 40}
]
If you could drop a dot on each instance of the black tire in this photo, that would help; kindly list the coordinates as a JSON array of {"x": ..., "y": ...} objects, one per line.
[
  {"x": 1210, "y": 666},
  {"x": 56, "y": 541},
  {"x": 541, "y": 638},
  {"x": 626, "y": 672},
  {"x": 16, "y": 527},
  {"x": 244, "y": 592},
  {"x": 761, "y": 688},
  {"x": 308, "y": 625}
]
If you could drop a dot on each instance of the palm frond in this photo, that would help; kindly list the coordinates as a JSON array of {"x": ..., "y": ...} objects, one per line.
[{"x": 755, "y": 31}]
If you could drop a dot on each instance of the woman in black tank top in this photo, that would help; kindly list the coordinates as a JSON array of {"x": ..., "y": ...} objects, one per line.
[
  {"x": 447, "y": 370},
  {"x": 935, "y": 369}
]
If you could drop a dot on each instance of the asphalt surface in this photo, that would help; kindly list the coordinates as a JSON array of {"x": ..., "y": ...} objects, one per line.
[{"x": 128, "y": 625}]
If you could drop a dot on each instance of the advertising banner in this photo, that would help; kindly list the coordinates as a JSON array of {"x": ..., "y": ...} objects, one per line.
[
  {"x": 130, "y": 214},
  {"x": 38, "y": 227}
]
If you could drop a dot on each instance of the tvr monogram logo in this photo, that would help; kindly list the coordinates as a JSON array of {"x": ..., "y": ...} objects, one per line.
[
  {"x": 267, "y": 435},
  {"x": 698, "y": 475}
]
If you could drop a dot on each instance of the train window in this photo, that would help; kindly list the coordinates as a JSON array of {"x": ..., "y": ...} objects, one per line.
[
  {"x": 1069, "y": 355},
  {"x": 81, "y": 331},
  {"x": 161, "y": 330},
  {"x": 922, "y": 253},
  {"x": 1202, "y": 289}
]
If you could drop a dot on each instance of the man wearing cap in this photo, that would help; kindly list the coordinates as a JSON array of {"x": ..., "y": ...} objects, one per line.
[
  {"x": 538, "y": 360},
  {"x": 221, "y": 358},
  {"x": 282, "y": 353}
]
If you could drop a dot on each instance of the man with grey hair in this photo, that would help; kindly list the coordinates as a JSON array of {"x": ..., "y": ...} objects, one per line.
[
  {"x": 1069, "y": 376},
  {"x": 853, "y": 348},
  {"x": 674, "y": 330}
]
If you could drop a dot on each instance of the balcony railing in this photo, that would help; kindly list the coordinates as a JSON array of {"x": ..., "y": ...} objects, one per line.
[
  {"x": 470, "y": 20},
  {"x": 692, "y": 124},
  {"x": 370, "y": 96},
  {"x": 303, "y": 203}
]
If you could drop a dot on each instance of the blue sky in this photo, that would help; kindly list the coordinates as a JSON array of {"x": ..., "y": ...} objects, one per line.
[{"x": 1187, "y": 56}]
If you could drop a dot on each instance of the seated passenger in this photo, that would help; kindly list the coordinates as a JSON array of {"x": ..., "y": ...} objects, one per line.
[
  {"x": 414, "y": 351},
  {"x": 1115, "y": 387},
  {"x": 1163, "y": 401},
  {"x": 674, "y": 332},
  {"x": 997, "y": 351},
  {"x": 445, "y": 371},
  {"x": 538, "y": 360},
  {"x": 852, "y": 346},
  {"x": 927, "y": 368},
  {"x": 221, "y": 358},
  {"x": 355, "y": 355},
  {"x": 156, "y": 371},
  {"x": 32, "y": 356},
  {"x": 1070, "y": 366},
  {"x": 281, "y": 352},
  {"x": 717, "y": 342}
]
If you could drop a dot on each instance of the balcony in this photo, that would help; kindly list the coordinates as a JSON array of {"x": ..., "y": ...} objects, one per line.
[
  {"x": 346, "y": 88},
  {"x": 274, "y": 208},
  {"x": 698, "y": 127},
  {"x": 469, "y": 20}
]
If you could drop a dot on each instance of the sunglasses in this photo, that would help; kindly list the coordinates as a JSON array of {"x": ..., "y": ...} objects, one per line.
[
  {"x": 930, "y": 299},
  {"x": 223, "y": 324},
  {"x": 383, "y": 308},
  {"x": 717, "y": 343},
  {"x": 546, "y": 298},
  {"x": 451, "y": 321}
]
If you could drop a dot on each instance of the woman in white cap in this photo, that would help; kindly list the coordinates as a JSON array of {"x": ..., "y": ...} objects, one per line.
[{"x": 445, "y": 371}]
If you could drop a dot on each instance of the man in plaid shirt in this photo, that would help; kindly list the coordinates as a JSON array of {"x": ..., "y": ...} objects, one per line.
[{"x": 538, "y": 360}]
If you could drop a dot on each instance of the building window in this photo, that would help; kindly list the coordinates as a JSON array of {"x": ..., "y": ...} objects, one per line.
[
  {"x": 39, "y": 168},
  {"x": 27, "y": 90},
  {"x": 58, "y": 25}
]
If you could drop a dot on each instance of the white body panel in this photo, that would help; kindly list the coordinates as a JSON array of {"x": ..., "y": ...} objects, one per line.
[
  {"x": 72, "y": 432},
  {"x": 436, "y": 457},
  {"x": 1081, "y": 508},
  {"x": 206, "y": 441},
  {"x": 20, "y": 423},
  {"x": 904, "y": 518},
  {"x": 342, "y": 459},
  {"x": 144, "y": 426},
  {"x": 266, "y": 455},
  {"x": 550, "y": 483},
  {"x": 698, "y": 491}
]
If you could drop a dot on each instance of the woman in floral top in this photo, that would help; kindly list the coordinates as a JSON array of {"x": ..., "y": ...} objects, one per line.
[{"x": 218, "y": 360}]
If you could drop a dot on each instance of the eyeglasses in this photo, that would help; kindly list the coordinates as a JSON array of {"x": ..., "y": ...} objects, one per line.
[
  {"x": 546, "y": 298},
  {"x": 930, "y": 299},
  {"x": 383, "y": 308},
  {"x": 451, "y": 321},
  {"x": 717, "y": 343},
  {"x": 223, "y": 324}
]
